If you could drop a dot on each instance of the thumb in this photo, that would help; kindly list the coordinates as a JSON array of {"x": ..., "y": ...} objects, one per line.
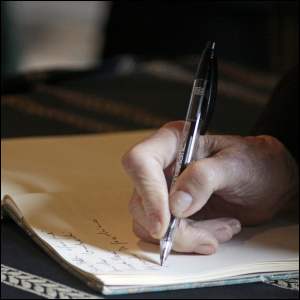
[{"x": 205, "y": 176}]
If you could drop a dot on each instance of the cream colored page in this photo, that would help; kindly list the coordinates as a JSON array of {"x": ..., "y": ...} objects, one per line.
[
  {"x": 66, "y": 163},
  {"x": 92, "y": 231}
]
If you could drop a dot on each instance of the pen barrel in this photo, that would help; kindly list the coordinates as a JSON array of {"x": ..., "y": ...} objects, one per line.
[
  {"x": 191, "y": 129},
  {"x": 197, "y": 118},
  {"x": 172, "y": 229},
  {"x": 196, "y": 100}
]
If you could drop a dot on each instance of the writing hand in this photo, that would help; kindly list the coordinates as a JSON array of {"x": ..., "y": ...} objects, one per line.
[{"x": 234, "y": 180}]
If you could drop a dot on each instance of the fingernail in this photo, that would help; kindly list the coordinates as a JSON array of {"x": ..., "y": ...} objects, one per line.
[
  {"x": 179, "y": 202},
  {"x": 235, "y": 225},
  {"x": 154, "y": 225},
  {"x": 222, "y": 235},
  {"x": 205, "y": 249}
]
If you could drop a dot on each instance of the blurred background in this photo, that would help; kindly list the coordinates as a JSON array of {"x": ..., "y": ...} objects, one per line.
[
  {"x": 136, "y": 58},
  {"x": 78, "y": 34},
  {"x": 50, "y": 34}
]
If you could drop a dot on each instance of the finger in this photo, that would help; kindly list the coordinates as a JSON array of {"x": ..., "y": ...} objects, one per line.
[
  {"x": 209, "y": 145},
  {"x": 137, "y": 211},
  {"x": 145, "y": 164},
  {"x": 195, "y": 186},
  {"x": 220, "y": 171},
  {"x": 142, "y": 233},
  {"x": 223, "y": 228},
  {"x": 193, "y": 236}
]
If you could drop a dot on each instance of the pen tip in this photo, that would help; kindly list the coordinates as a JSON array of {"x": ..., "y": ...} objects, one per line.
[{"x": 166, "y": 247}]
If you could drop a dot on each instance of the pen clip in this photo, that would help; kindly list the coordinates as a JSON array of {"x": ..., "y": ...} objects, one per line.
[{"x": 210, "y": 94}]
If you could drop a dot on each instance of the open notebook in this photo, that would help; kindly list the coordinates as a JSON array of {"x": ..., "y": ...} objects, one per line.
[{"x": 70, "y": 194}]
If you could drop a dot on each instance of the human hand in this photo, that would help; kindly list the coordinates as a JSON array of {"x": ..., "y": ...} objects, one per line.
[{"x": 234, "y": 180}]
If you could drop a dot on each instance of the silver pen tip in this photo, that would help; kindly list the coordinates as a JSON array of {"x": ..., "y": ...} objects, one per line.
[{"x": 165, "y": 249}]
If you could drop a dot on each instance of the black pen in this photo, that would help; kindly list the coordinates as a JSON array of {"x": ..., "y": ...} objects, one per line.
[{"x": 197, "y": 118}]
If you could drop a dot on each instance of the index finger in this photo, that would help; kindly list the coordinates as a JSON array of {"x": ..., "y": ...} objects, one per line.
[{"x": 145, "y": 164}]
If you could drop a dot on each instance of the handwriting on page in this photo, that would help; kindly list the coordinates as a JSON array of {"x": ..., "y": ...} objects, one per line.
[{"x": 100, "y": 252}]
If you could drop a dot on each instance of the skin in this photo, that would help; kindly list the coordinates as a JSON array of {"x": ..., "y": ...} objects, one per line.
[{"x": 235, "y": 181}]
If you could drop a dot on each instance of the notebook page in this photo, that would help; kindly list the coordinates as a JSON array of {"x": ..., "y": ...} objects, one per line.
[
  {"x": 92, "y": 231},
  {"x": 66, "y": 163}
]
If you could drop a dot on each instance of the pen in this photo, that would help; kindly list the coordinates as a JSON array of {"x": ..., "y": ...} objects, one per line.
[{"x": 198, "y": 116}]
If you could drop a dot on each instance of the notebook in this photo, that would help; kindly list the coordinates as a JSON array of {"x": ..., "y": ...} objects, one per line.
[{"x": 70, "y": 194}]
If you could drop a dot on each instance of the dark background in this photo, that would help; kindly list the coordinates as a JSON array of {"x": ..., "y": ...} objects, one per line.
[{"x": 260, "y": 34}]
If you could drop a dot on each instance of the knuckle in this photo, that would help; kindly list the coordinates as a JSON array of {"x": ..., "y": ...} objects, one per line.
[
  {"x": 136, "y": 209},
  {"x": 193, "y": 235},
  {"x": 138, "y": 230},
  {"x": 203, "y": 174},
  {"x": 133, "y": 208},
  {"x": 142, "y": 233},
  {"x": 131, "y": 157}
]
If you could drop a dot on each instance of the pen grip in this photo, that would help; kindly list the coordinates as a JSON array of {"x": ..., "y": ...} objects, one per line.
[
  {"x": 191, "y": 129},
  {"x": 187, "y": 147}
]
